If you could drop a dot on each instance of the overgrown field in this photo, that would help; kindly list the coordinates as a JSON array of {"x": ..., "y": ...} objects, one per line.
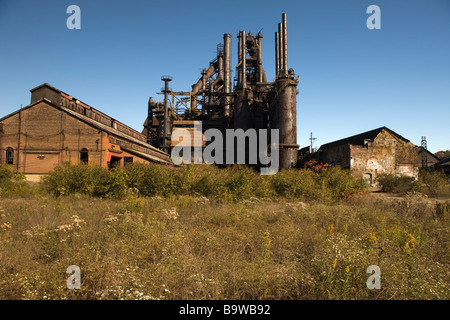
[{"x": 286, "y": 238}]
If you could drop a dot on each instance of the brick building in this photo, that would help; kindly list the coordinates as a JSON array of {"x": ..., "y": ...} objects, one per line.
[
  {"x": 374, "y": 152},
  {"x": 57, "y": 128}
]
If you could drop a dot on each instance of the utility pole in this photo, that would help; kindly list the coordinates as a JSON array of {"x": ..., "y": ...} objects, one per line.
[
  {"x": 424, "y": 153},
  {"x": 312, "y": 139}
]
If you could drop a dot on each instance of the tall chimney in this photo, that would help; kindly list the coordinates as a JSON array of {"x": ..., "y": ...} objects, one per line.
[
  {"x": 285, "y": 62},
  {"x": 166, "y": 132},
  {"x": 239, "y": 57},
  {"x": 280, "y": 48},
  {"x": 260, "y": 68},
  {"x": 277, "y": 58},
  {"x": 244, "y": 60}
]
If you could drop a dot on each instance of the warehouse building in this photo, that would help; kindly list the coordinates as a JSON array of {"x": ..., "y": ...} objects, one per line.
[
  {"x": 56, "y": 128},
  {"x": 371, "y": 153}
]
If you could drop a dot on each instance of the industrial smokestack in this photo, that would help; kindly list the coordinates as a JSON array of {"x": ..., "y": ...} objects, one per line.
[
  {"x": 277, "y": 58},
  {"x": 244, "y": 60},
  {"x": 227, "y": 71},
  {"x": 285, "y": 61},
  {"x": 166, "y": 80},
  {"x": 260, "y": 67},
  {"x": 280, "y": 48},
  {"x": 239, "y": 57}
]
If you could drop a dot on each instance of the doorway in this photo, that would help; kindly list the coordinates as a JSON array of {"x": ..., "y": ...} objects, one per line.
[{"x": 368, "y": 179}]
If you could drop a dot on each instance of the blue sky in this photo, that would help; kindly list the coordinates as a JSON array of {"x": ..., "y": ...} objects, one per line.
[{"x": 352, "y": 79}]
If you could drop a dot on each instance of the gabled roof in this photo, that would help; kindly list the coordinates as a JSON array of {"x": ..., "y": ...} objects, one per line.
[
  {"x": 444, "y": 162},
  {"x": 22, "y": 109},
  {"x": 359, "y": 139},
  {"x": 430, "y": 157},
  {"x": 134, "y": 137}
]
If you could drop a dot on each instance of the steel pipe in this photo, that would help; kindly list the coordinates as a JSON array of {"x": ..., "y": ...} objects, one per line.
[
  {"x": 244, "y": 60},
  {"x": 227, "y": 71}
]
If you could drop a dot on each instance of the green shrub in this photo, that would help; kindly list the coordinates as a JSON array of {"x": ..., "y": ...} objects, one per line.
[
  {"x": 302, "y": 183},
  {"x": 6, "y": 174},
  {"x": 402, "y": 184},
  {"x": 233, "y": 183},
  {"x": 341, "y": 183},
  {"x": 13, "y": 184},
  {"x": 435, "y": 183},
  {"x": 84, "y": 179}
]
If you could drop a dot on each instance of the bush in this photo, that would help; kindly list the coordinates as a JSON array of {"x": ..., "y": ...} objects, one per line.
[
  {"x": 13, "y": 184},
  {"x": 84, "y": 179},
  {"x": 328, "y": 185},
  {"x": 6, "y": 174},
  {"x": 341, "y": 183},
  {"x": 435, "y": 183},
  {"x": 232, "y": 183},
  {"x": 402, "y": 184},
  {"x": 303, "y": 184}
]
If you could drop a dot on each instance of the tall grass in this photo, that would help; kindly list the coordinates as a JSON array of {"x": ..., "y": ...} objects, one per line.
[
  {"x": 200, "y": 232},
  {"x": 194, "y": 248}
]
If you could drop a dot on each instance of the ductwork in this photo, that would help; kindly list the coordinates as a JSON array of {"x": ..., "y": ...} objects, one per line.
[{"x": 196, "y": 87}]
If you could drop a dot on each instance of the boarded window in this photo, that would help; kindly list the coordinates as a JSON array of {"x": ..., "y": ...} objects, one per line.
[
  {"x": 84, "y": 156},
  {"x": 9, "y": 156}
]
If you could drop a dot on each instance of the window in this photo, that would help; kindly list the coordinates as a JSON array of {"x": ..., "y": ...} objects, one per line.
[
  {"x": 9, "y": 155},
  {"x": 84, "y": 156},
  {"x": 127, "y": 160},
  {"x": 114, "y": 162}
]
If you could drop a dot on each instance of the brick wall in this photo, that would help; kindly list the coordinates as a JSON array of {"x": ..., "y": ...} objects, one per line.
[{"x": 50, "y": 136}]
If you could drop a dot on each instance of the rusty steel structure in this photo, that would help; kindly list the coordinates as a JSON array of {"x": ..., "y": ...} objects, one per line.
[{"x": 251, "y": 102}]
